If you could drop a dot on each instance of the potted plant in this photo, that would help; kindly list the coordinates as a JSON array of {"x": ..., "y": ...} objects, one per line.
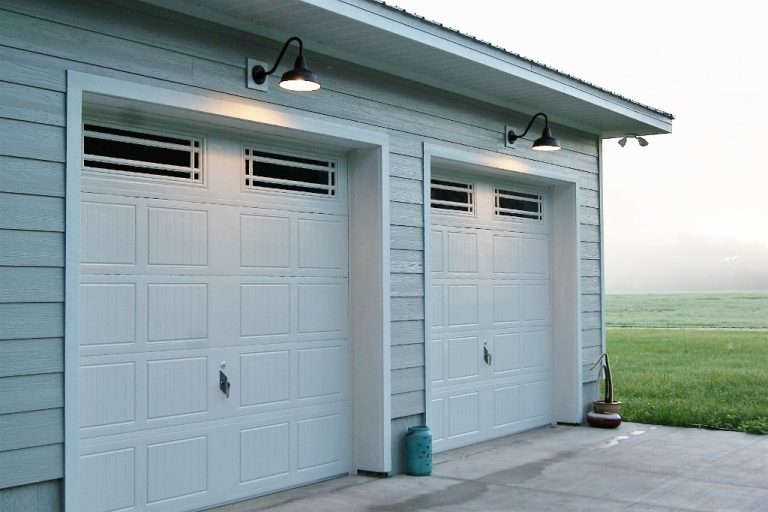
[{"x": 607, "y": 405}]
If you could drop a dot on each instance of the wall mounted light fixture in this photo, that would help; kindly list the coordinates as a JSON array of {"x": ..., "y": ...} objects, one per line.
[
  {"x": 544, "y": 143},
  {"x": 640, "y": 140},
  {"x": 300, "y": 78}
]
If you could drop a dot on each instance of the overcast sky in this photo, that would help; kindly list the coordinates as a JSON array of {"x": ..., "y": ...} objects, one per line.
[{"x": 689, "y": 212}]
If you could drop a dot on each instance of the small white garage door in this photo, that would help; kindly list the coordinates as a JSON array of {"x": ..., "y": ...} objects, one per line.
[
  {"x": 213, "y": 326},
  {"x": 490, "y": 310}
]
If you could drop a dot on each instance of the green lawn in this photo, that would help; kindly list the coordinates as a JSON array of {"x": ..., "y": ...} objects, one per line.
[
  {"x": 707, "y": 378},
  {"x": 713, "y": 310}
]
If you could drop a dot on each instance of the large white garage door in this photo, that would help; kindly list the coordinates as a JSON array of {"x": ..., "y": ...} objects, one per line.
[
  {"x": 213, "y": 325},
  {"x": 490, "y": 317}
]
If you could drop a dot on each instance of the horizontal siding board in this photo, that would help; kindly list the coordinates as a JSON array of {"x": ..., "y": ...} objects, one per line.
[
  {"x": 589, "y": 216},
  {"x": 406, "y": 237},
  {"x": 407, "y": 404},
  {"x": 406, "y": 191},
  {"x": 30, "y": 320},
  {"x": 31, "y": 140},
  {"x": 407, "y": 379},
  {"x": 590, "y": 303},
  {"x": 38, "y": 497},
  {"x": 31, "y": 393},
  {"x": 408, "y": 167},
  {"x": 34, "y": 69},
  {"x": 33, "y": 428},
  {"x": 590, "y": 250},
  {"x": 590, "y": 268},
  {"x": 31, "y": 249},
  {"x": 31, "y": 213},
  {"x": 591, "y": 321},
  {"x": 407, "y": 332},
  {"x": 30, "y": 465},
  {"x": 590, "y": 233},
  {"x": 591, "y": 338},
  {"x": 32, "y": 356},
  {"x": 589, "y": 198},
  {"x": 406, "y": 262},
  {"x": 407, "y": 285},
  {"x": 31, "y": 104},
  {"x": 407, "y": 308},
  {"x": 407, "y": 356},
  {"x": 403, "y": 214},
  {"x": 36, "y": 177},
  {"x": 590, "y": 285},
  {"x": 31, "y": 284}
]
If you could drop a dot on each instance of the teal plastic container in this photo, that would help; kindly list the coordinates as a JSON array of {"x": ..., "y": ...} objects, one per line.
[{"x": 418, "y": 451}]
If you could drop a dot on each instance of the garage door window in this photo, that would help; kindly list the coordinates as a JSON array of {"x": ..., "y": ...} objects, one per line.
[
  {"x": 519, "y": 205},
  {"x": 267, "y": 170},
  {"x": 453, "y": 196},
  {"x": 143, "y": 153}
]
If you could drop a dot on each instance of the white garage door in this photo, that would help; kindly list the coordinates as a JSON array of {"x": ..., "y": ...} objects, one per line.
[
  {"x": 490, "y": 316},
  {"x": 213, "y": 326}
]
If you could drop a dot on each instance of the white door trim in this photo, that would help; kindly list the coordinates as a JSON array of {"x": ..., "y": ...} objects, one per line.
[
  {"x": 369, "y": 253},
  {"x": 565, "y": 264}
]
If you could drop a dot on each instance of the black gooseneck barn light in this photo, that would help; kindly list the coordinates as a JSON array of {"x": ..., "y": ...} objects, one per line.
[
  {"x": 640, "y": 140},
  {"x": 299, "y": 79},
  {"x": 544, "y": 143}
]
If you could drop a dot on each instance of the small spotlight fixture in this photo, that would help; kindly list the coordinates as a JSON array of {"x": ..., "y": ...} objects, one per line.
[
  {"x": 299, "y": 79},
  {"x": 544, "y": 143},
  {"x": 640, "y": 140}
]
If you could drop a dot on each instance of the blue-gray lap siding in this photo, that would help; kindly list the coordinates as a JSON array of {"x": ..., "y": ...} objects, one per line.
[{"x": 41, "y": 40}]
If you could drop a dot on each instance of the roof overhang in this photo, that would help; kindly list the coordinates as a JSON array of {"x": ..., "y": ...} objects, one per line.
[{"x": 377, "y": 36}]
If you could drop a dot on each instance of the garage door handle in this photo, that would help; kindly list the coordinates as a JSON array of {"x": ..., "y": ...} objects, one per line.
[
  {"x": 224, "y": 383},
  {"x": 487, "y": 356}
]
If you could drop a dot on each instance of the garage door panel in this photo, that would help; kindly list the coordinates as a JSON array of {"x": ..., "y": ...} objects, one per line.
[
  {"x": 108, "y": 479},
  {"x": 322, "y": 244},
  {"x": 265, "y": 378},
  {"x": 110, "y": 389},
  {"x": 534, "y": 256},
  {"x": 463, "y": 305},
  {"x": 506, "y": 254},
  {"x": 108, "y": 233},
  {"x": 535, "y": 349},
  {"x": 507, "y": 405},
  {"x": 177, "y": 469},
  {"x": 463, "y": 358},
  {"x": 322, "y": 308},
  {"x": 321, "y": 372},
  {"x": 177, "y": 236},
  {"x": 537, "y": 400},
  {"x": 535, "y": 297},
  {"x": 177, "y": 386},
  {"x": 177, "y": 312},
  {"x": 265, "y": 452},
  {"x": 506, "y": 303},
  {"x": 265, "y": 309},
  {"x": 462, "y": 252},
  {"x": 108, "y": 314},
  {"x": 254, "y": 231},
  {"x": 318, "y": 441},
  {"x": 463, "y": 414},
  {"x": 506, "y": 353}
]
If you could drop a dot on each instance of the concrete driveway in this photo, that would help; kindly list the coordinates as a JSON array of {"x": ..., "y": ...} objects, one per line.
[{"x": 635, "y": 467}]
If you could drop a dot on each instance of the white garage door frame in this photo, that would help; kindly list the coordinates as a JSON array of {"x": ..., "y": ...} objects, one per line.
[
  {"x": 369, "y": 280},
  {"x": 565, "y": 266}
]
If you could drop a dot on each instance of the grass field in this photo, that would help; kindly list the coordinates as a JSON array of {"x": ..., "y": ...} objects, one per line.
[
  {"x": 714, "y": 375},
  {"x": 700, "y": 310}
]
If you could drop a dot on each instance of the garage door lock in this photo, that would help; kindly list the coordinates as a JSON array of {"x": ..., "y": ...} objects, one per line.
[
  {"x": 224, "y": 383},
  {"x": 487, "y": 357}
]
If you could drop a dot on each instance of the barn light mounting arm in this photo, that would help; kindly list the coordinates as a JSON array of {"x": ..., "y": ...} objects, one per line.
[
  {"x": 544, "y": 143},
  {"x": 640, "y": 140},
  {"x": 299, "y": 79}
]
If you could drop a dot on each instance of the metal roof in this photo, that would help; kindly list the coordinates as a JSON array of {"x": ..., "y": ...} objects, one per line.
[{"x": 384, "y": 37}]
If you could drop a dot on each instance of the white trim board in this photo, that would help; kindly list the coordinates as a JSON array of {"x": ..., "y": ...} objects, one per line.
[
  {"x": 369, "y": 248},
  {"x": 565, "y": 264}
]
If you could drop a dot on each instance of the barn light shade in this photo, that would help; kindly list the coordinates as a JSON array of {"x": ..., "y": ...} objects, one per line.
[
  {"x": 544, "y": 143},
  {"x": 299, "y": 79},
  {"x": 640, "y": 140}
]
